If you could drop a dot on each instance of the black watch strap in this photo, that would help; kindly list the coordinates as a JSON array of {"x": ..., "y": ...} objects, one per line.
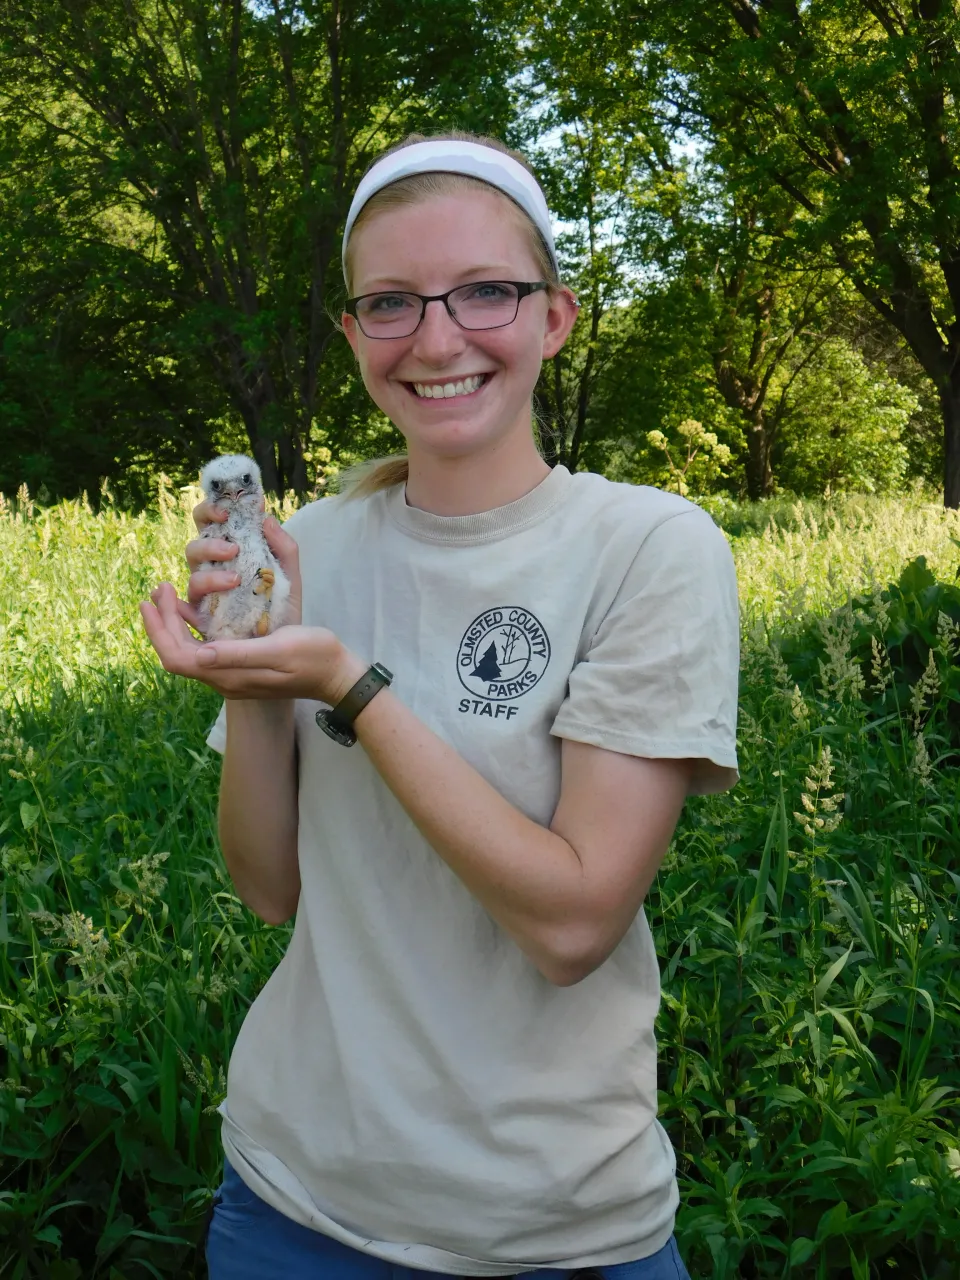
[{"x": 337, "y": 722}]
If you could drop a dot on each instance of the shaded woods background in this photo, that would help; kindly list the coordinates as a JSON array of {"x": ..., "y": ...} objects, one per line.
[{"x": 759, "y": 210}]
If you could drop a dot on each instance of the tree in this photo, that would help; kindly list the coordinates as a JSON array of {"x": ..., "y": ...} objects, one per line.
[
  {"x": 488, "y": 668},
  {"x": 852, "y": 112},
  {"x": 92, "y": 384},
  {"x": 235, "y": 135},
  {"x": 763, "y": 303},
  {"x": 592, "y": 179},
  {"x": 844, "y": 425},
  {"x": 605, "y": 165}
]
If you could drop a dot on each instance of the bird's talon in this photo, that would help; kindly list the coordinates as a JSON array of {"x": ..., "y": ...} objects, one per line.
[{"x": 265, "y": 580}]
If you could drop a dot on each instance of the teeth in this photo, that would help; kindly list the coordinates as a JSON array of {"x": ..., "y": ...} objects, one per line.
[{"x": 446, "y": 391}]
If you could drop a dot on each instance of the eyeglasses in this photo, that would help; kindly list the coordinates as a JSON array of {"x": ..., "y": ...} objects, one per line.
[{"x": 486, "y": 304}]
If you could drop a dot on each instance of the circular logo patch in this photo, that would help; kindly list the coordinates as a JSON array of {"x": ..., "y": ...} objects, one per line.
[{"x": 503, "y": 653}]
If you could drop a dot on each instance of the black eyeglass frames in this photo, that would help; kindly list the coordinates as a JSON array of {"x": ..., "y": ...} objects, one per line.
[{"x": 484, "y": 304}]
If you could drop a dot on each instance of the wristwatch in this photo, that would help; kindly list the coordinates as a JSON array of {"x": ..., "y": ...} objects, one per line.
[{"x": 337, "y": 722}]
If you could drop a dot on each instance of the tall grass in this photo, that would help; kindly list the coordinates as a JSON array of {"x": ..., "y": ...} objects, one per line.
[{"x": 807, "y": 925}]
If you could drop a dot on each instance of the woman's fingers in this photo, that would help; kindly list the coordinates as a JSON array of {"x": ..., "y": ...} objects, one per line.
[
  {"x": 182, "y": 654},
  {"x": 282, "y": 545},
  {"x": 201, "y": 550},
  {"x": 168, "y": 632},
  {"x": 166, "y": 601},
  {"x": 186, "y": 611},
  {"x": 259, "y": 654},
  {"x": 288, "y": 554},
  {"x": 169, "y": 649},
  {"x": 206, "y": 580},
  {"x": 206, "y": 513}
]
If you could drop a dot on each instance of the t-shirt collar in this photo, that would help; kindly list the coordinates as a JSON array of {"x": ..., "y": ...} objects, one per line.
[{"x": 483, "y": 526}]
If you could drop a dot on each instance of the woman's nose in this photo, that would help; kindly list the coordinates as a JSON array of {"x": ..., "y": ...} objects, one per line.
[{"x": 439, "y": 336}]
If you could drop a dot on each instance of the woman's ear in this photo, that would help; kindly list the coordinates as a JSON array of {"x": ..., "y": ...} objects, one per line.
[
  {"x": 349, "y": 325},
  {"x": 562, "y": 312}
]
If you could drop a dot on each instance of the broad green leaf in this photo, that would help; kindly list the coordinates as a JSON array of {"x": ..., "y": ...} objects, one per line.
[
  {"x": 101, "y": 1097},
  {"x": 801, "y": 1250},
  {"x": 29, "y": 813}
]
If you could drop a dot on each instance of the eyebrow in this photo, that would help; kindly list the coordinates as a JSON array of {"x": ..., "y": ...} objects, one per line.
[{"x": 497, "y": 271}]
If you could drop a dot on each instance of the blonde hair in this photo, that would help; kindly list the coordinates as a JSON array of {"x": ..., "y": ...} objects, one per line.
[{"x": 368, "y": 478}]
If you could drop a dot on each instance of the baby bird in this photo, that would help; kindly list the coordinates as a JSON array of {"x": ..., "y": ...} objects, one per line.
[{"x": 255, "y": 607}]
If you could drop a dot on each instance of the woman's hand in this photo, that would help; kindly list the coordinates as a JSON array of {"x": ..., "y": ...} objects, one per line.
[
  {"x": 204, "y": 581},
  {"x": 293, "y": 662}
]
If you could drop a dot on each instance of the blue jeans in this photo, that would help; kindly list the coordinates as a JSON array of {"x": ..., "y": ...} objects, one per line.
[{"x": 249, "y": 1240}]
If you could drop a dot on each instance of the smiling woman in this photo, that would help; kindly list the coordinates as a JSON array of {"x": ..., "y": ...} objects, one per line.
[{"x": 453, "y": 1070}]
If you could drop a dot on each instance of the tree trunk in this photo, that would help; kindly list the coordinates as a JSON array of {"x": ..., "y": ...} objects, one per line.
[
  {"x": 293, "y": 468},
  {"x": 586, "y": 383},
  {"x": 759, "y": 470},
  {"x": 264, "y": 455},
  {"x": 553, "y": 434},
  {"x": 950, "y": 407}
]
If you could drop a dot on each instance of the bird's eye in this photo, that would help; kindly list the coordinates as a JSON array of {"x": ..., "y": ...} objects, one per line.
[
  {"x": 215, "y": 484},
  {"x": 245, "y": 478}
]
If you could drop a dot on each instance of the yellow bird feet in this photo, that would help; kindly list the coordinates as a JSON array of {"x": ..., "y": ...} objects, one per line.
[
  {"x": 263, "y": 624},
  {"x": 265, "y": 580}
]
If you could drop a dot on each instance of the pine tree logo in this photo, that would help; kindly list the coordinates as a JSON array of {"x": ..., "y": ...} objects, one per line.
[
  {"x": 503, "y": 653},
  {"x": 488, "y": 668}
]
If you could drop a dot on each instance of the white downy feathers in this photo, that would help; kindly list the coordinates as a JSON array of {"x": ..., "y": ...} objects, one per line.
[{"x": 257, "y": 606}]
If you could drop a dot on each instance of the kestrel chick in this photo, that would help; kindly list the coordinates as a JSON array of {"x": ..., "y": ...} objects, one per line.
[{"x": 256, "y": 607}]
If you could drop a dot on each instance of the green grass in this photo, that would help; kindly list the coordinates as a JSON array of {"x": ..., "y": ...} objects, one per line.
[{"x": 810, "y": 1030}]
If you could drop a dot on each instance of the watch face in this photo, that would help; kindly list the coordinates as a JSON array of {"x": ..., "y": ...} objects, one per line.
[{"x": 346, "y": 737}]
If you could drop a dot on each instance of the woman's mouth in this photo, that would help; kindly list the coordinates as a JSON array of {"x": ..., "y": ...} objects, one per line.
[{"x": 451, "y": 390}]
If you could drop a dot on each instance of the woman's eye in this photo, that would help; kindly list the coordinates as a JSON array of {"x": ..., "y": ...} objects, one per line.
[
  {"x": 245, "y": 479},
  {"x": 489, "y": 292},
  {"x": 387, "y": 302}
]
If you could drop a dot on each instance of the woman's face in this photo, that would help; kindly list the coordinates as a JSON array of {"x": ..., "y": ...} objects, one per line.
[{"x": 431, "y": 247}]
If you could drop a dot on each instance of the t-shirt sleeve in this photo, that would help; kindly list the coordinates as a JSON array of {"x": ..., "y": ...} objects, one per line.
[
  {"x": 660, "y": 676},
  {"x": 217, "y": 737}
]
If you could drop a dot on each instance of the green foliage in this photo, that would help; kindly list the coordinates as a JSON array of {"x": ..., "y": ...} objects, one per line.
[
  {"x": 203, "y": 158},
  {"x": 128, "y": 957},
  {"x": 844, "y": 425},
  {"x": 806, "y": 923},
  {"x": 849, "y": 112},
  {"x": 703, "y": 464},
  {"x": 174, "y": 180},
  {"x": 896, "y": 648},
  {"x": 809, "y": 931}
]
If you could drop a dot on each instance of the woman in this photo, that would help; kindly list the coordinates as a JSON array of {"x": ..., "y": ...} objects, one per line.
[{"x": 453, "y": 1069}]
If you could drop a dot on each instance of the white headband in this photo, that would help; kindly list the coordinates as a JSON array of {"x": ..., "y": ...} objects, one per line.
[{"x": 469, "y": 158}]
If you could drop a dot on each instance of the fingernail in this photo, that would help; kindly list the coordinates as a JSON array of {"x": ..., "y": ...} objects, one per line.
[
  {"x": 235, "y": 579},
  {"x": 206, "y": 657}
]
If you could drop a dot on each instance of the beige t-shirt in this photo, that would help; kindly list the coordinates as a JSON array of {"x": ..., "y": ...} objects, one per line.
[{"x": 407, "y": 1081}]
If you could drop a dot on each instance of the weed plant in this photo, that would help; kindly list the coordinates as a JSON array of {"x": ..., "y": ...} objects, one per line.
[{"x": 807, "y": 922}]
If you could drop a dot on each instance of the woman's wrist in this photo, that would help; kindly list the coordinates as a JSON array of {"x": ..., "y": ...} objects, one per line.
[{"x": 350, "y": 669}]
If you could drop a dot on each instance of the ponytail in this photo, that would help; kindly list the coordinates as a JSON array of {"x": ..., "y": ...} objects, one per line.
[{"x": 368, "y": 478}]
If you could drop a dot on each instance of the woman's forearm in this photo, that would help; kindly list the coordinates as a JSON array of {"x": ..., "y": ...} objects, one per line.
[
  {"x": 529, "y": 878},
  {"x": 258, "y": 815}
]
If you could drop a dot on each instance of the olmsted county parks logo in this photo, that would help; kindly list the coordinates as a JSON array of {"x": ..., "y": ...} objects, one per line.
[{"x": 503, "y": 653}]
